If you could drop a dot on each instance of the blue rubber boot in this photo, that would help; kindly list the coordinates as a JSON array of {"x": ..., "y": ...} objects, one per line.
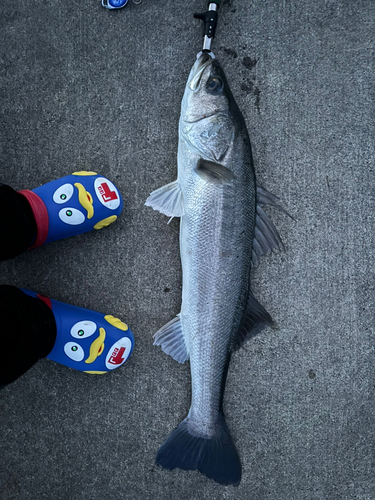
[
  {"x": 86, "y": 340},
  {"x": 73, "y": 205}
]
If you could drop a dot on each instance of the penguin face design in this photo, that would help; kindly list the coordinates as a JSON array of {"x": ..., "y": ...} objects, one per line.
[
  {"x": 80, "y": 330},
  {"x": 88, "y": 341},
  {"x": 104, "y": 189},
  {"x": 83, "y": 199},
  {"x": 78, "y": 203}
]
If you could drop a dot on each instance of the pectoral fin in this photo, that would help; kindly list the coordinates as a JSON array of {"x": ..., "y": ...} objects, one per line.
[
  {"x": 214, "y": 172},
  {"x": 168, "y": 200}
]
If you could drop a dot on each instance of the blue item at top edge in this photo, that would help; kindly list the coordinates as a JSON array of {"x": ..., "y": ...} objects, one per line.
[{"x": 114, "y": 4}]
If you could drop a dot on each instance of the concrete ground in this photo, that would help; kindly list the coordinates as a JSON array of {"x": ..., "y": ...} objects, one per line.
[{"x": 83, "y": 88}]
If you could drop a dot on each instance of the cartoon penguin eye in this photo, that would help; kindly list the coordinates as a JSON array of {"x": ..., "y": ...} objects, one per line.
[
  {"x": 83, "y": 329},
  {"x": 74, "y": 351},
  {"x": 214, "y": 85},
  {"x": 63, "y": 194},
  {"x": 71, "y": 216}
]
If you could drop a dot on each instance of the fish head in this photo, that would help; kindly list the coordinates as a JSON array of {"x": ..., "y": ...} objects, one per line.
[
  {"x": 207, "y": 91},
  {"x": 208, "y": 119}
]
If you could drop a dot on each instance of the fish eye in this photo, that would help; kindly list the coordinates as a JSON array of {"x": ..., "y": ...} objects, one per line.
[{"x": 214, "y": 85}]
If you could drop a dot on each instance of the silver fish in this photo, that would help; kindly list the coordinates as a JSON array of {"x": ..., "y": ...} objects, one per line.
[{"x": 223, "y": 232}]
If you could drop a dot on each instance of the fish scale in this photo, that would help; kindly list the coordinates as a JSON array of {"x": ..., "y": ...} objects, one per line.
[
  {"x": 212, "y": 290},
  {"x": 222, "y": 232}
]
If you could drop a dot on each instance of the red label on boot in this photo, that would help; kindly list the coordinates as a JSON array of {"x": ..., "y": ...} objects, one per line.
[
  {"x": 107, "y": 193},
  {"x": 118, "y": 353},
  {"x": 116, "y": 357}
]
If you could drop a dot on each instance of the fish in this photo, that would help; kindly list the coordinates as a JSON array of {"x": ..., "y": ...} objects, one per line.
[{"x": 223, "y": 232}]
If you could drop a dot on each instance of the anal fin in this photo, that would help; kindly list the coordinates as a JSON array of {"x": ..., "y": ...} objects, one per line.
[{"x": 171, "y": 340}]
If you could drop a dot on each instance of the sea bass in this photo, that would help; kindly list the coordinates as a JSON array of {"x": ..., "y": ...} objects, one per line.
[{"x": 223, "y": 232}]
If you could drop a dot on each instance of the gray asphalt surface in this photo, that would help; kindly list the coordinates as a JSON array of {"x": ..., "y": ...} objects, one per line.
[{"x": 83, "y": 88}]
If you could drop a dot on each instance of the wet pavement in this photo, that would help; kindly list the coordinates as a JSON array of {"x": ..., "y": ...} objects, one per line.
[{"x": 83, "y": 88}]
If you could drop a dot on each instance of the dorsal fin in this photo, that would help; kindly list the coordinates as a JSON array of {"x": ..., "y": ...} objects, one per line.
[
  {"x": 254, "y": 318},
  {"x": 264, "y": 197},
  {"x": 266, "y": 236}
]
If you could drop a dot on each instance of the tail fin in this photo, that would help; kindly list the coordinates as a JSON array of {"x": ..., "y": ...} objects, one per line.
[{"x": 216, "y": 458}]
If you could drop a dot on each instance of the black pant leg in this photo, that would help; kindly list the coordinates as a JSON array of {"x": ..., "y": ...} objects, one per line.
[
  {"x": 27, "y": 332},
  {"x": 18, "y": 227}
]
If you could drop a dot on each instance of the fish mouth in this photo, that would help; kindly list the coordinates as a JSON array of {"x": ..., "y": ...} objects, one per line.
[
  {"x": 97, "y": 347},
  {"x": 197, "y": 71}
]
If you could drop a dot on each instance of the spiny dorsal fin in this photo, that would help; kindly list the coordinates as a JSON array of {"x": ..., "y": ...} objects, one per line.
[
  {"x": 214, "y": 172},
  {"x": 171, "y": 339},
  {"x": 168, "y": 200},
  {"x": 264, "y": 197}
]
